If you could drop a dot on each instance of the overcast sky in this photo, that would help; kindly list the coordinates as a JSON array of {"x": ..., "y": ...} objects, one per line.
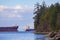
[{"x": 19, "y": 12}]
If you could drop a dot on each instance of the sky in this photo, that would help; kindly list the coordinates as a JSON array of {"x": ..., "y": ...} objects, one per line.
[{"x": 19, "y": 12}]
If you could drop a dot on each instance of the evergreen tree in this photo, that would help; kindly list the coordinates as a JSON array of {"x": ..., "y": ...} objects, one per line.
[
  {"x": 36, "y": 18},
  {"x": 47, "y": 18}
]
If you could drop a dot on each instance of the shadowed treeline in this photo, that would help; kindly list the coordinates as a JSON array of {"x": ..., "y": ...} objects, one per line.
[{"x": 47, "y": 19}]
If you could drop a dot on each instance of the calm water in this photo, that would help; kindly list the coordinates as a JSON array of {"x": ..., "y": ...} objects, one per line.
[{"x": 21, "y": 36}]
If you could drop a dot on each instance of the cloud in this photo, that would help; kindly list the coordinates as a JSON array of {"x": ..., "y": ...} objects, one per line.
[
  {"x": 2, "y": 8},
  {"x": 18, "y": 7},
  {"x": 13, "y": 11}
]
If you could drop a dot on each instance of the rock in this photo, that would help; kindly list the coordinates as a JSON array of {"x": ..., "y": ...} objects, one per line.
[
  {"x": 58, "y": 35},
  {"x": 52, "y": 34},
  {"x": 58, "y": 39}
]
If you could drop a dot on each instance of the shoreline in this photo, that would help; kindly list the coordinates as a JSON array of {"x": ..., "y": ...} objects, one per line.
[{"x": 41, "y": 32}]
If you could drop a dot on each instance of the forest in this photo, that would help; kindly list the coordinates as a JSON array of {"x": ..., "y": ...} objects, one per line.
[{"x": 46, "y": 18}]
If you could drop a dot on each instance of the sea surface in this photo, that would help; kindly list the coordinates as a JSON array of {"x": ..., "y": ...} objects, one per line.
[{"x": 22, "y": 36}]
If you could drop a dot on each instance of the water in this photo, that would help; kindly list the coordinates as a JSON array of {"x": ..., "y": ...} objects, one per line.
[{"x": 21, "y": 36}]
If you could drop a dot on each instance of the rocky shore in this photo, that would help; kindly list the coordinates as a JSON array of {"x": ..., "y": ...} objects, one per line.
[{"x": 54, "y": 35}]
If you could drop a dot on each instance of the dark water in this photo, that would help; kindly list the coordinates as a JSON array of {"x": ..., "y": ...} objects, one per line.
[{"x": 21, "y": 36}]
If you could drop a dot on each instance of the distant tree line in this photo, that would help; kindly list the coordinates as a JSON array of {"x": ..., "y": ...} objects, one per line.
[{"x": 47, "y": 18}]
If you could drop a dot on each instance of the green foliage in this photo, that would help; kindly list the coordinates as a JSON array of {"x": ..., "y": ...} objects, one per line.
[{"x": 46, "y": 17}]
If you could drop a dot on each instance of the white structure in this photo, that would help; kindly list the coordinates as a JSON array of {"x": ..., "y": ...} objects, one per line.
[{"x": 26, "y": 27}]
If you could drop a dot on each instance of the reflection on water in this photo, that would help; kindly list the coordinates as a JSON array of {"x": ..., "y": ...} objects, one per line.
[
  {"x": 40, "y": 37},
  {"x": 21, "y": 36}
]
